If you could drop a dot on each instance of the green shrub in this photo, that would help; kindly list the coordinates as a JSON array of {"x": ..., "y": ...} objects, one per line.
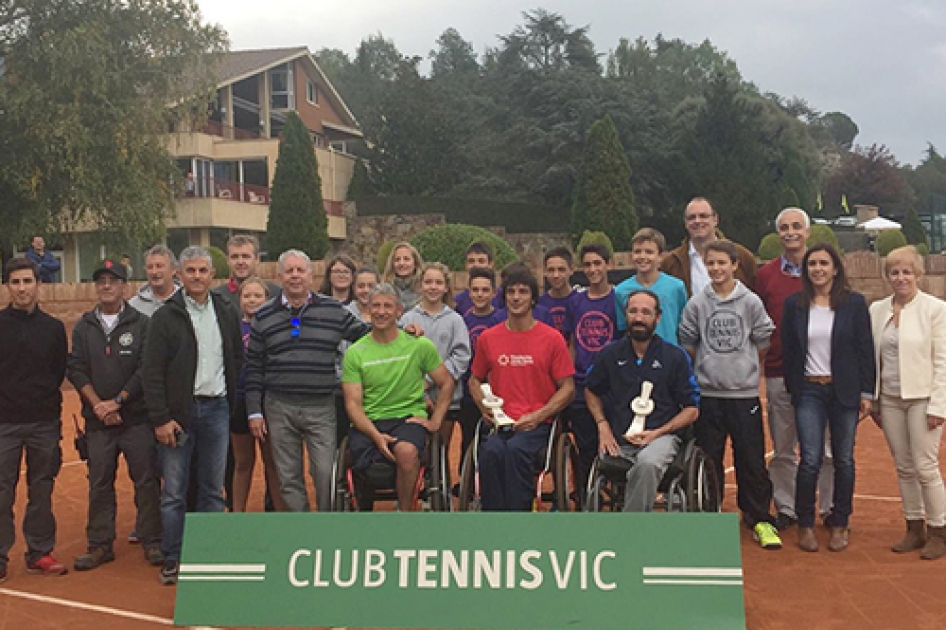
[
  {"x": 448, "y": 243},
  {"x": 221, "y": 266},
  {"x": 889, "y": 240},
  {"x": 823, "y": 234},
  {"x": 598, "y": 238},
  {"x": 770, "y": 247},
  {"x": 383, "y": 252},
  {"x": 923, "y": 249},
  {"x": 516, "y": 217}
]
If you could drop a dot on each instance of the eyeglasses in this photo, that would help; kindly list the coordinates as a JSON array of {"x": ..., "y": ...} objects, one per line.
[
  {"x": 296, "y": 327},
  {"x": 341, "y": 272}
]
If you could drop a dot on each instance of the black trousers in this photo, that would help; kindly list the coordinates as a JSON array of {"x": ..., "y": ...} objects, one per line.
[
  {"x": 137, "y": 444},
  {"x": 585, "y": 431},
  {"x": 739, "y": 419},
  {"x": 40, "y": 441}
]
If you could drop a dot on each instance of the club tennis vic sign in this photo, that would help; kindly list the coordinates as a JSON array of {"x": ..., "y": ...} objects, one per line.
[{"x": 516, "y": 571}]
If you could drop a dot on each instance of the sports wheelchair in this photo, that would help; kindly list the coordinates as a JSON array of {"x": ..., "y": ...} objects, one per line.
[
  {"x": 357, "y": 491},
  {"x": 555, "y": 468},
  {"x": 688, "y": 485}
]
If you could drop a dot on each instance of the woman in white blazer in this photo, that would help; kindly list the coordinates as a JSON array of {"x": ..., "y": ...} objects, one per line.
[{"x": 909, "y": 329}]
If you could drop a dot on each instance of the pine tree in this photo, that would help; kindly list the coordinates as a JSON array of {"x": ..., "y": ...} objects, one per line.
[
  {"x": 913, "y": 229},
  {"x": 296, "y": 215},
  {"x": 604, "y": 200}
]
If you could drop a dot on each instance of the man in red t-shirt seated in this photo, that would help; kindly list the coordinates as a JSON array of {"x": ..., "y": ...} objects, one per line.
[{"x": 526, "y": 364}]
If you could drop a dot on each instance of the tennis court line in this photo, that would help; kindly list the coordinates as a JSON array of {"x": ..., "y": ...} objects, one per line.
[{"x": 107, "y": 610}]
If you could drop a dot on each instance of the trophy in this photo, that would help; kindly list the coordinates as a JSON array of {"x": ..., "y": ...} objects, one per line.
[
  {"x": 495, "y": 404},
  {"x": 642, "y": 406}
]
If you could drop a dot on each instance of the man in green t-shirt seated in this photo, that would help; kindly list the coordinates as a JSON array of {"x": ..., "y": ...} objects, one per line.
[{"x": 383, "y": 379}]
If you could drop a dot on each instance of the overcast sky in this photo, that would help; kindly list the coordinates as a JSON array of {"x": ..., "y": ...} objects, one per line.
[{"x": 882, "y": 62}]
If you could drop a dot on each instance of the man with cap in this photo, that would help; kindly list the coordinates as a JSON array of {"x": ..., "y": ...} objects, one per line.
[{"x": 105, "y": 368}]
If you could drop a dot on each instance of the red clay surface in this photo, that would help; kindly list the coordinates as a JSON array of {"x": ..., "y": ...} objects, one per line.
[{"x": 865, "y": 587}]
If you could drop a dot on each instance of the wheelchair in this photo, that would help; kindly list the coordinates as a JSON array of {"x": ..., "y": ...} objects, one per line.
[
  {"x": 555, "y": 468},
  {"x": 688, "y": 485},
  {"x": 357, "y": 491}
]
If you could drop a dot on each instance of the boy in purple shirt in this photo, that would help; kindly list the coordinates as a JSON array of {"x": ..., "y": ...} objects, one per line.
[
  {"x": 593, "y": 326},
  {"x": 481, "y": 316},
  {"x": 559, "y": 266},
  {"x": 478, "y": 254}
]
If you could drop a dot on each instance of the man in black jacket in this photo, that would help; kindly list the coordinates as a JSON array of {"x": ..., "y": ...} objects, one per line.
[
  {"x": 105, "y": 368},
  {"x": 192, "y": 360},
  {"x": 33, "y": 353}
]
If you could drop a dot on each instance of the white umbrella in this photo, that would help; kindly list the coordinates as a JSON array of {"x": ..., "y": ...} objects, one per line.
[{"x": 880, "y": 223}]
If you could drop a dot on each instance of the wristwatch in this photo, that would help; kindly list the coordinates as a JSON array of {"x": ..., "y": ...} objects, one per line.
[{"x": 118, "y": 400}]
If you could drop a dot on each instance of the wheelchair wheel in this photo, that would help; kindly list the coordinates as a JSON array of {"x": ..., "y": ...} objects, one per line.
[
  {"x": 438, "y": 481},
  {"x": 567, "y": 493},
  {"x": 702, "y": 486},
  {"x": 342, "y": 498},
  {"x": 469, "y": 500},
  {"x": 594, "y": 490}
]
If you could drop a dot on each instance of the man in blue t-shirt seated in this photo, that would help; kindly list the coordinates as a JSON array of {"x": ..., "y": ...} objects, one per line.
[{"x": 617, "y": 377}]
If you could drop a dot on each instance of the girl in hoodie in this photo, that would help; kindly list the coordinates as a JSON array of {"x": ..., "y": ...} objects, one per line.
[{"x": 444, "y": 326}]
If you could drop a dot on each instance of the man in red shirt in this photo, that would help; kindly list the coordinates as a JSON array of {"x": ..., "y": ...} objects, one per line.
[
  {"x": 774, "y": 282},
  {"x": 528, "y": 365}
]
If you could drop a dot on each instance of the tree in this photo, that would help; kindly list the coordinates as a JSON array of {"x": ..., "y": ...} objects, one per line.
[
  {"x": 547, "y": 43},
  {"x": 413, "y": 154},
  {"x": 454, "y": 57},
  {"x": 872, "y": 176},
  {"x": 913, "y": 229},
  {"x": 296, "y": 214},
  {"x": 85, "y": 98},
  {"x": 603, "y": 197},
  {"x": 839, "y": 128}
]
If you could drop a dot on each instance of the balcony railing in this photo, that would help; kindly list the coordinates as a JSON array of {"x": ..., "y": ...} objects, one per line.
[
  {"x": 229, "y": 132},
  {"x": 227, "y": 189}
]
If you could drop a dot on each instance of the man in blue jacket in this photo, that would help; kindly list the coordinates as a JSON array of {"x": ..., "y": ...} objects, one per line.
[{"x": 47, "y": 265}]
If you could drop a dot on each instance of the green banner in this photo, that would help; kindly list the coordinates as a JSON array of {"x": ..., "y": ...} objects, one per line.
[{"x": 476, "y": 570}]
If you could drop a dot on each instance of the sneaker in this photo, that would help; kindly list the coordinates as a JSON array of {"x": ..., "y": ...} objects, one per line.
[
  {"x": 154, "y": 556},
  {"x": 47, "y": 565},
  {"x": 783, "y": 521},
  {"x": 96, "y": 557},
  {"x": 766, "y": 535},
  {"x": 3, "y": 573},
  {"x": 838, "y": 540},
  {"x": 169, "y": 571},
  {"x": 133, "y": 537}
]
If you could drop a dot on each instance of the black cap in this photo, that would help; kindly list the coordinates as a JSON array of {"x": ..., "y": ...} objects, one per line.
[{"x": 113, "y": 267}]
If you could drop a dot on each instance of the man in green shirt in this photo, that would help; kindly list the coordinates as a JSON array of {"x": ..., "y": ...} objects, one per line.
[{"x": 383, "y": 379}]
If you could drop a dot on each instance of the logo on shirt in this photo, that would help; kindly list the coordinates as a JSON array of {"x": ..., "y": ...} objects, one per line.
[
  {"x": 514, "y": 360},
  {"x": 558, "y": 317},
  {"x": 656, "y": 365},
  {"x": 126, "y": 339},
  {"x": 594, "y": 331},
  {"x": 725, "y": 331}
]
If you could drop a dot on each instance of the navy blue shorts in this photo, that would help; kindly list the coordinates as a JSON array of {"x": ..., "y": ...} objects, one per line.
[{"x": 364, "y": 452}]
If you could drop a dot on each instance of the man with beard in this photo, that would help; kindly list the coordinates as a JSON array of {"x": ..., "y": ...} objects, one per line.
[{"x": 616, "y": 378}]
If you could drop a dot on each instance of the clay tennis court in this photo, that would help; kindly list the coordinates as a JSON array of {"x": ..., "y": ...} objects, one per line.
[{"x": 865, "y": 587}]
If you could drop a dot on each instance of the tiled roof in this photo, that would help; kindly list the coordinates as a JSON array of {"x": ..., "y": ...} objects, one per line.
[{"x": 239, "y": 63}]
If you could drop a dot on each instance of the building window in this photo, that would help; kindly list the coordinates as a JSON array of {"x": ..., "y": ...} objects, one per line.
[
  {"x": 312, "y": 93},
  {"x": 280, "y": 88}
]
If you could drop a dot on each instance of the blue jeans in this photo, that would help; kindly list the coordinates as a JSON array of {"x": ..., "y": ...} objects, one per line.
[
  {"x": 817, "y": 409},
  {"x": 507, "y": 468},
  {"x": 208, "y": 433}
]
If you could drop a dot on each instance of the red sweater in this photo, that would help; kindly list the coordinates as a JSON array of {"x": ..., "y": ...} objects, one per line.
[{"x": 774, "y": 286}]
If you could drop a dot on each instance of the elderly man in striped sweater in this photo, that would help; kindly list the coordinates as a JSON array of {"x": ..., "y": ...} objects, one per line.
[{"x": 291, "y": 379}]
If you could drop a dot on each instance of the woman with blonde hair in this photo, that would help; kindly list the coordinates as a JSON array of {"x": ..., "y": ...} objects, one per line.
[
  {"x": 909, "y": 329},
  {"x": 403, "y": 271}
]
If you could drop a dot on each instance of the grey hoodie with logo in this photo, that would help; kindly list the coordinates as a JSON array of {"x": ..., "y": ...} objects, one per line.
[
  {"x": 727, "y": 335},
  {"x": 144, "y": 301}
]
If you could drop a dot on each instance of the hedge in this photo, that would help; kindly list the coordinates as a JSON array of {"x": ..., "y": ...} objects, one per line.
[
  {"x": 516, "y": 217},
  {"x": 448, "y": 243}
]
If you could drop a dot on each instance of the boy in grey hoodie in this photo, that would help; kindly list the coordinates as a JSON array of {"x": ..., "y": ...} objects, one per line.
[{"x": 726, "y": 330}]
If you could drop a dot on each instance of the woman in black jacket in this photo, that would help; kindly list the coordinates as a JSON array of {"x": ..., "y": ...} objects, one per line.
[{"x": 828, "y": 354}]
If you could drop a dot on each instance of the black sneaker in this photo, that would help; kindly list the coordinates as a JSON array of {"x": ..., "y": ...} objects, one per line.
[
  {"x": 133, "y": 537},
  {"x": 154, "y": 556},
  {"x": 169, "y": 571},
  {"x": 783, "y": 521},
  {"x": 3, "y": 573},
  {"x": 96, "y": 557}
]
